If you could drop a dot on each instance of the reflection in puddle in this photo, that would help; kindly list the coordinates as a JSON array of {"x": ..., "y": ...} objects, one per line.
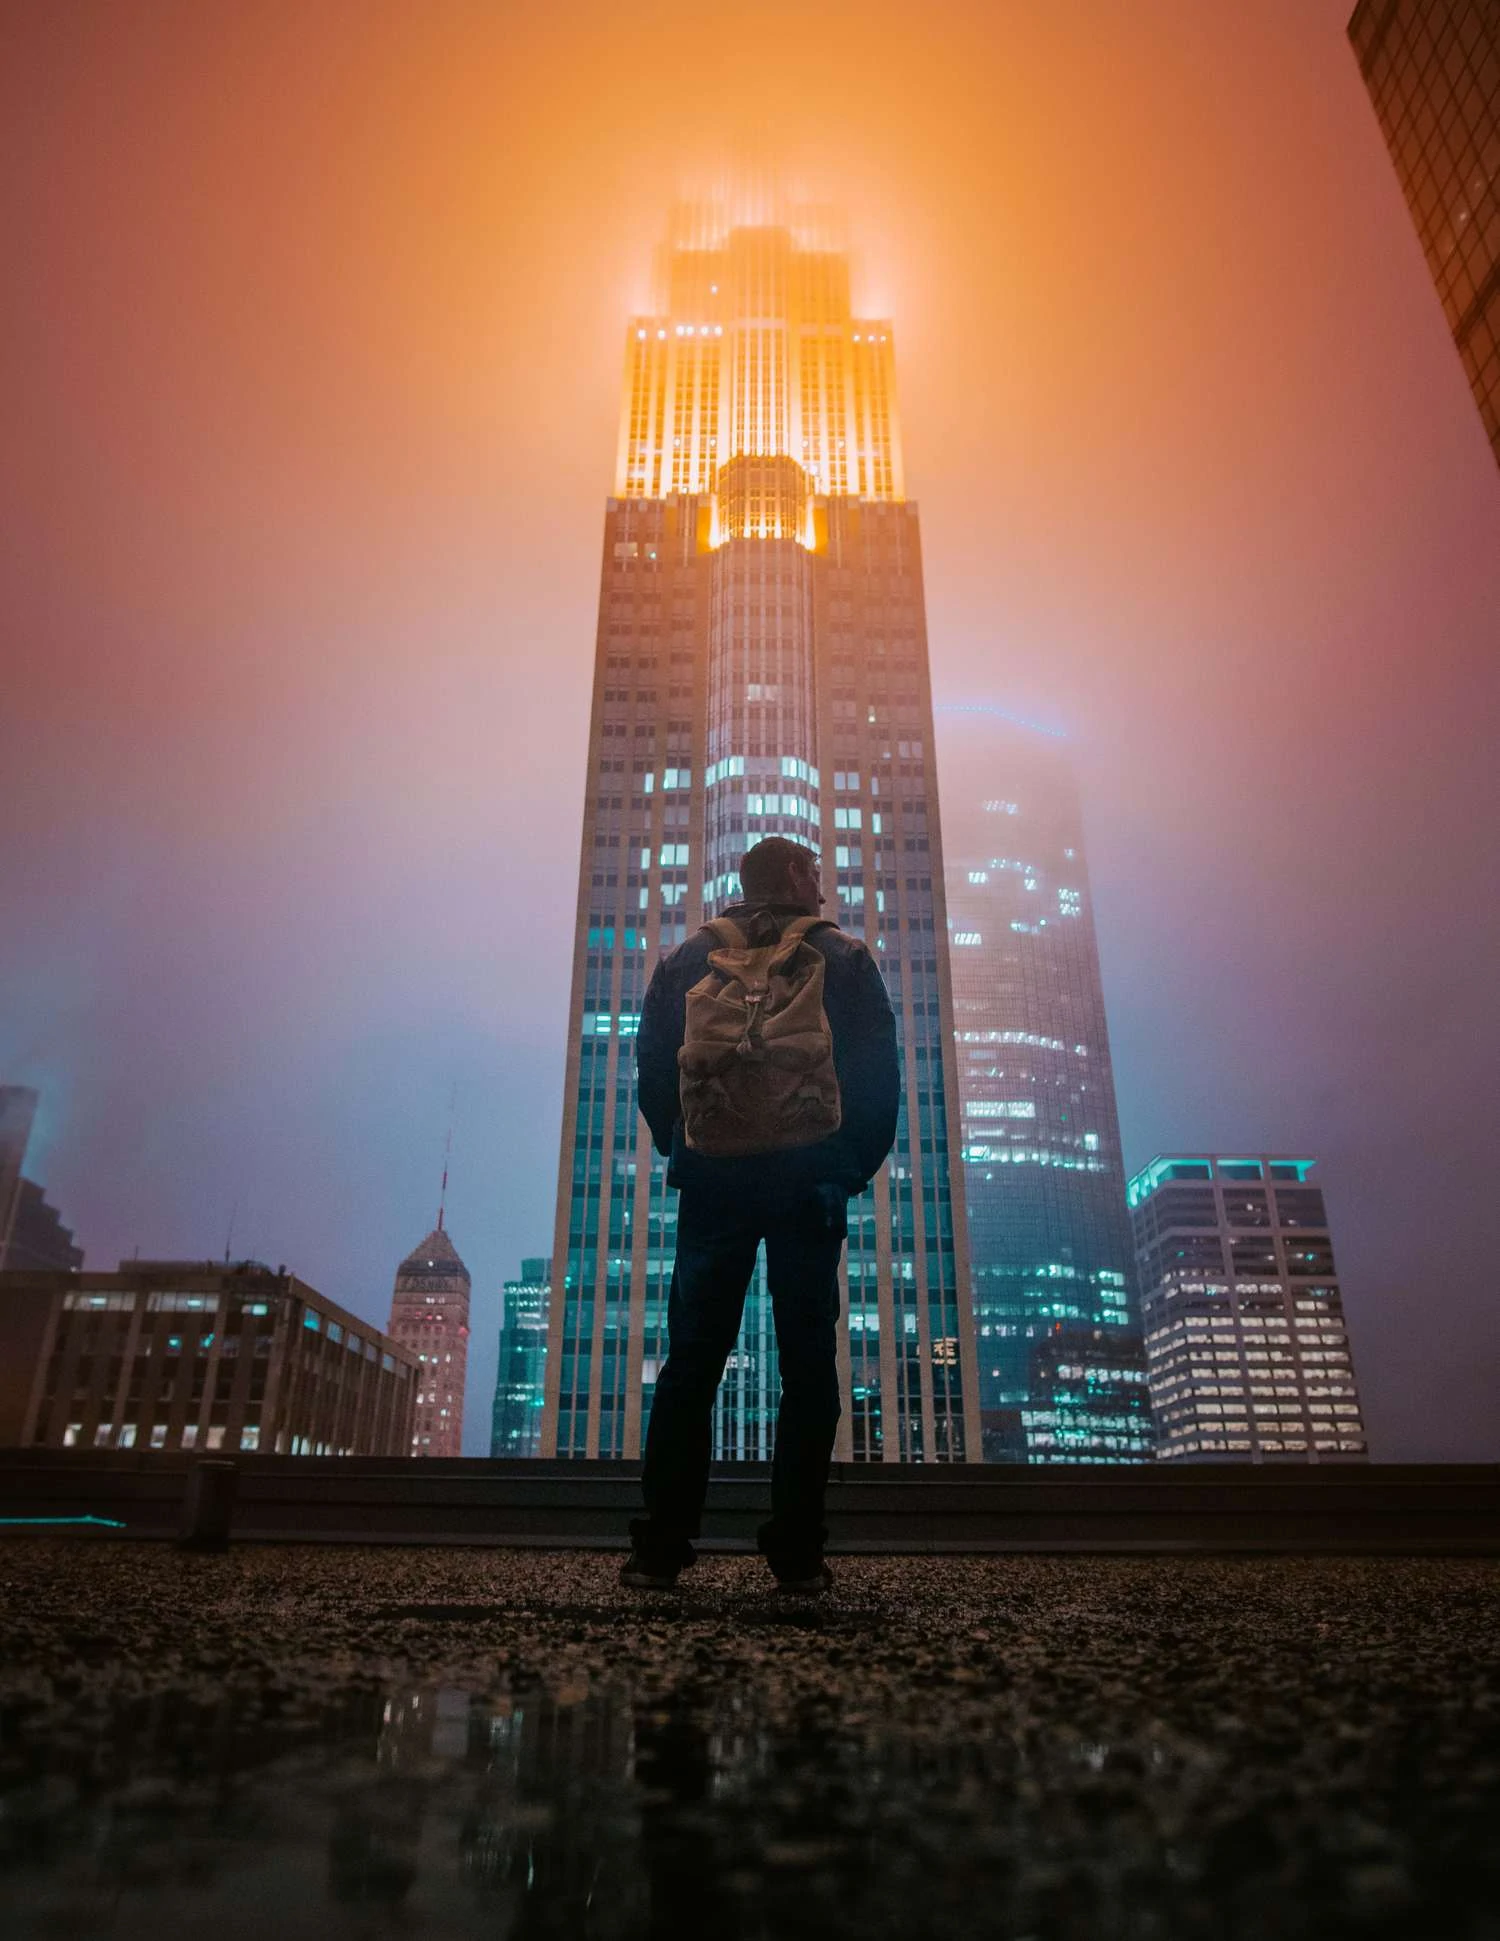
[
  {"x": 605, "y": 1813},
  {"x": 568, "y": 1812}
]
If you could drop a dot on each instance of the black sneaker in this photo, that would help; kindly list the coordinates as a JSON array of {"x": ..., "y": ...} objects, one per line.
[
  {"x": 639, "y": 1573},
  {"x": 804, "y": 1583}
]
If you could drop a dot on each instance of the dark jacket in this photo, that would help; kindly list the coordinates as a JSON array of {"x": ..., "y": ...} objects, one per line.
[{"x": 864, "y": 1056}]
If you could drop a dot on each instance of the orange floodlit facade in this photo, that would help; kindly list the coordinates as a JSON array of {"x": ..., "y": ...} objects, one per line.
[{"x": 754, "y": 351}]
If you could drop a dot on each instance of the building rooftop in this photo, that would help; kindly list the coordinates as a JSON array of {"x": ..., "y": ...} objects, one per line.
[
  {"x": 436, "y": 1251},
  {"x": 484, "y": 1742},
  {"x": 1168, "y": 1168},
  {"x": 208, "y": 1277}
]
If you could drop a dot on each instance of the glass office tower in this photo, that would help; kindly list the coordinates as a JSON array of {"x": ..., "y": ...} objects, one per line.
[
  {"x": 520, "y": 1379},
  {"x": 1245, "y": 1335},
  {"x": 1061, "y": 1373},
  {"x": 1433, "y": 71},
  {"x": 760, "y": 669}
]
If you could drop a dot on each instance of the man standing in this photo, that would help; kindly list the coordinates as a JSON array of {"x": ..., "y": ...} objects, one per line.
[{"x": 769, "y": 1149}]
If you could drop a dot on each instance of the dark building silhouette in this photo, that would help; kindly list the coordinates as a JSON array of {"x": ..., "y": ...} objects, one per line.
[
  {"x": 1244, "y": 1318},
  {"x": 196, "y": 1355},
  {"x": 38, "y": 1237},
  {"x": 18, "y": 1104},
  {"x": 1056, "y": 1316},
  {"x": 520, "y": 1373},
  {"x": 1432, "y": 68},
  {"x": 32, "y": 1233}
]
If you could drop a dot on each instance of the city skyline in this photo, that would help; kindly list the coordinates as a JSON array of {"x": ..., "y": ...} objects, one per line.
[{"x": 301, "y": 506}]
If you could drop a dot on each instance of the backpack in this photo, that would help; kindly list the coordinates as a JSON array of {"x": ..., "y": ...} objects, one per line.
[{"x": 756, "y": 1070}]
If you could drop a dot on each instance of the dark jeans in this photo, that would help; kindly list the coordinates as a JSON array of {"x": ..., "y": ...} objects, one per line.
[{"x": 717, "y": 1239}]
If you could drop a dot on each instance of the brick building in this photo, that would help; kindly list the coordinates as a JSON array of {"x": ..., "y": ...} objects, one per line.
[{"x": 184, "y": 1355}]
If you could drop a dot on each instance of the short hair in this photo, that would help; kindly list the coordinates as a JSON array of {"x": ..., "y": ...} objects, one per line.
[{"x": 766, "y": 870}]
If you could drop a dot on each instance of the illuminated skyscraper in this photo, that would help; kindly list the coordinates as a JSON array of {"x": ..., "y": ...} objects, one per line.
[
  {"x": 520, "y": 1371},
  {"x": 430, "y": 1319},
  {"x": 1245, "y": 1335},
  {"x": 1061, "y": 1376},
  {"x": 1433, "y": 71},
  {"x": 760, "y": 669}
]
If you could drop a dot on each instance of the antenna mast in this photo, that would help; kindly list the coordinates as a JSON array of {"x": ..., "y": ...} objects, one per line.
[{"x": 447, "y": 1154}]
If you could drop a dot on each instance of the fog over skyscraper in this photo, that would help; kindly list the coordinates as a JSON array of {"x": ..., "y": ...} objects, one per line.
[
  {"x": 760, "y": 669},
  {"x": 1061, "y": 1374}
]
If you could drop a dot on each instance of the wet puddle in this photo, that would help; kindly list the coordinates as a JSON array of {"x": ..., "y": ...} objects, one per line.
[
  {"x": 599, "y": 1812},
  {"x": 577, "y": 1812}
]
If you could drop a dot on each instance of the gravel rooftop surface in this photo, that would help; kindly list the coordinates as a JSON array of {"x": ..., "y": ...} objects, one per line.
[{"x": 344, "y": 1742}]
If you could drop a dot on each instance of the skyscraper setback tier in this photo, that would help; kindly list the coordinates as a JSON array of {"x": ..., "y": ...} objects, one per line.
[
  {"x": 760, "y": 669},
  {"x": 1433, "y": 71},
  {"x": 1245, "y": 1337},
  {"x": 32, "y": 1233},
  {"x": 430, "y": 1318},
  {"x": 1061, "y": 1370},
  {"x": 38, "y": 1237}
]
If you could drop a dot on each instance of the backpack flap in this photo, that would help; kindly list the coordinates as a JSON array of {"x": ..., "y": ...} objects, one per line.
[{"x": 756, "y": 1064}]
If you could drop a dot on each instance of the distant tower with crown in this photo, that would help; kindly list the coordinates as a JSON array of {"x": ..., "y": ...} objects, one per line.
[{"x": 430, "y": 1316}]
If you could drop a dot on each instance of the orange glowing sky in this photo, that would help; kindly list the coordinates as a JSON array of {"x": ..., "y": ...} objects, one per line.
[{"x": 309, "y": 362}]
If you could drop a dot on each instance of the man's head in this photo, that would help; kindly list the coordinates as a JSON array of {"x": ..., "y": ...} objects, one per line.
[{"x": 780, "y": 871}]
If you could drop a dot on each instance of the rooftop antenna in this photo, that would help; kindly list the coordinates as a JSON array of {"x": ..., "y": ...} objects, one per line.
[
  {"x": 447, "y": 1153},
  {"x": 229, "y": 1236}
]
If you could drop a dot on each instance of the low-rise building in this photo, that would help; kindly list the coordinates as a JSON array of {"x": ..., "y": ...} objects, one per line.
[
  {"x": 1247, "y": 1354},
  {"x": 185, "y": 1355}
]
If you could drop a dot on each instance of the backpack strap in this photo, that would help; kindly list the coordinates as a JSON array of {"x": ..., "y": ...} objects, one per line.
[
  {"x": 795, "y": 935},
  {"x": 728, "y": 933},
  {"x": 801, "y": 927}
]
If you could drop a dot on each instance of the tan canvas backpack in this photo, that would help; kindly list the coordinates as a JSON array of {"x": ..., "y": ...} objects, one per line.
[{"x": 756, "y": 1065}]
